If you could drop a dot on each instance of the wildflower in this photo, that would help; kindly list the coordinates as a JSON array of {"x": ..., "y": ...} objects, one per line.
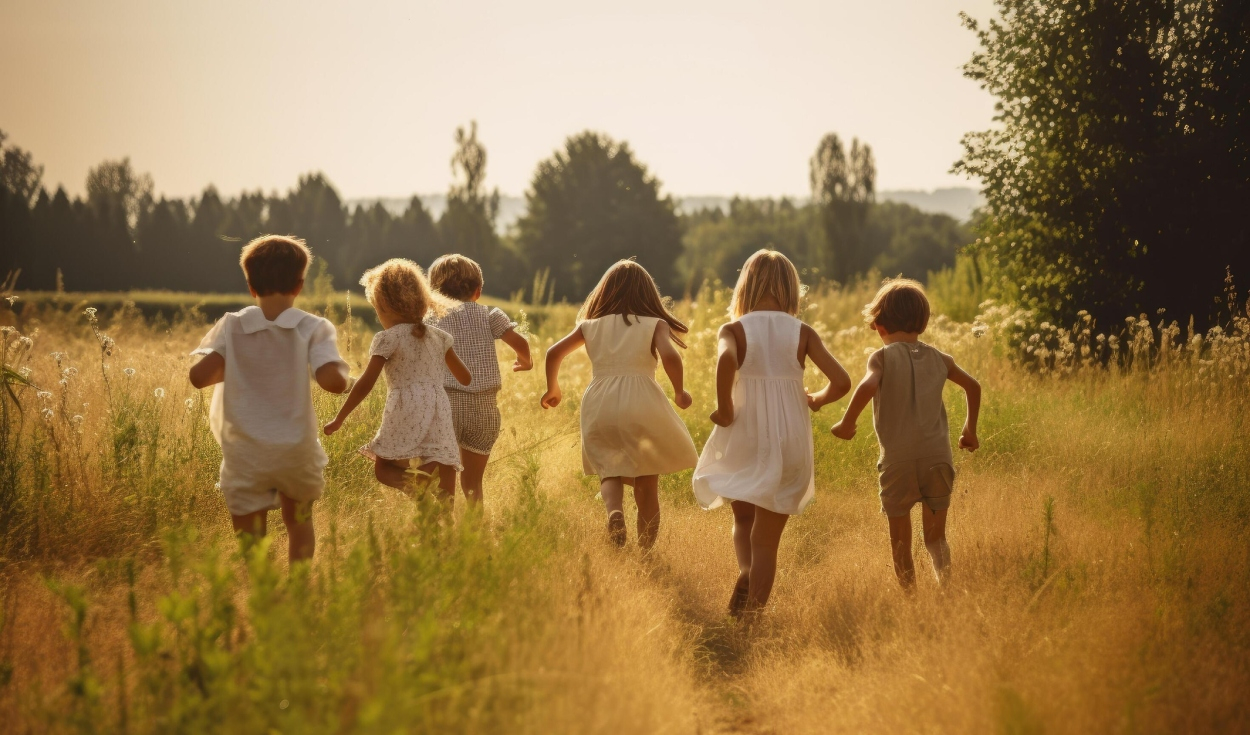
[
  {"x": 58, "y": 356},
  {"x": 160, "y": 392},
  {"x": 26, "y": 342},
  {"x": 12, "y": 300},
  {"x": 45, "y": 395},
  {"x": 7, "y": 330},
  {"x": 47, "y": 414},
  {"x": 129, "y": 372},
  {"x": 980, "y": 330},
  {"x": 90, "y": 311},
  {"x": 189, "y": 403},
  {"x": 24, "y": 372},
  {"x": 71, "y": 372},
  {"x": 77, "y": 418}
]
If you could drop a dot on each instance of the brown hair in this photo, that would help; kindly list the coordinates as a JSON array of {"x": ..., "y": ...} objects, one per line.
[
  {"x": 766, "y": 273},
  {"x": 399, "y": 287},
  {"x": 456, "y": 276},
  {"x": 900, "y": 306},
  {"x": 629, "y": 290},
  {"x": 275, "y": 264}
]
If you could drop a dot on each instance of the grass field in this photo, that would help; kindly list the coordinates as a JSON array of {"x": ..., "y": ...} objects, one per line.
[{"x": 1101, "y": 555}]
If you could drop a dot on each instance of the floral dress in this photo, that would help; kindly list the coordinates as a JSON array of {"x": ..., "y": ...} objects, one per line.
[{"x": 416, "y": 423}]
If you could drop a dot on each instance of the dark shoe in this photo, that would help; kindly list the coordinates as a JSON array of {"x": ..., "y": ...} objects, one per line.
[{"x": 616, "y": 527}]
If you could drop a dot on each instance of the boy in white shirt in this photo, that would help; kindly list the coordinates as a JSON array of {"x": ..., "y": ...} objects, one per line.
[{"x": 262, "y": 414}]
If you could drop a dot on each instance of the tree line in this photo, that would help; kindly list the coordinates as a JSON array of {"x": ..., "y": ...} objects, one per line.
[{"x": 592, "y": 202}]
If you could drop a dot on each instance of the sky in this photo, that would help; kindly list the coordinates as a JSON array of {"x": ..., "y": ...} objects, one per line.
[{"x": 716, "y": 98}]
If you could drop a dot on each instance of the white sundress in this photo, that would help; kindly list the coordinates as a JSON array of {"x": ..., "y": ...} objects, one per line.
[
  {"x": 416, "y": 423},
  {"x": 765, "y": 456}
]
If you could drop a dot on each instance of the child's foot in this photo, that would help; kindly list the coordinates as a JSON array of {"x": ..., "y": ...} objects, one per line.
[
  {"x": 616, "y": 527},
  {"x": 738, "y": 600}
]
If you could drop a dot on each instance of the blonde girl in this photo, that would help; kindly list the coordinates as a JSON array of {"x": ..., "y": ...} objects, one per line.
[
  {"x": 416, "y": 431},
  {"x": 630, "y": 433},
  {"x": 759, "y": 456}
]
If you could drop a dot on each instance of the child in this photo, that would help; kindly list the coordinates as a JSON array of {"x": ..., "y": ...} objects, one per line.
[
  {"x": 416, "y": 429},
  {"x": 759, "y": 455},
  {"x": 630, "y": 434},
  {"x": 474, "y": 409},
  {"x": 262, "y": 415},
  {"x": 904, "y": 382}
]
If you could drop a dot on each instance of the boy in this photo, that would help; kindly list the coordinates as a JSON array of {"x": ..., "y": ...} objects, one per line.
[
  {"x": 904, "y": 382},
  {"x": 262, "y": 415},
  {"x": 474, "y": 410}
]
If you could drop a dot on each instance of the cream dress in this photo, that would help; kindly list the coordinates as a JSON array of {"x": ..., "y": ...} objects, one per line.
[
  {"x": 765, "y": 456},
  {"x": 416, "y": 423},
  {"x": 629, "y": 429}
]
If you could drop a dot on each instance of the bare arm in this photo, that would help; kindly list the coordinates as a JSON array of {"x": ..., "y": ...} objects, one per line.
[
  {"x": 555, "y": 356},
  {"x": 671, "y": 359},
  {"x": 359, "y": 392},
  {"x": 333, "y": 377},
  {"x": 726, "y": 370},
  {"x": 210, "y": 370},
  {"x": 972, "y": 390},
  {"x": 864, "y": 392},
  {"x": 457, "y": 368},
  {"x": 521, "y": 347},
  {"x": 839, "y": 381}
]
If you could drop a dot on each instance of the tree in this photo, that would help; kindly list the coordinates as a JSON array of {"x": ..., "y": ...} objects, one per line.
[
  {"x": 843, "y": 188},
  {"x": 468, "y": 224},
  {"x": 1118, "y": 175},
  {"x": 590, "y": 205},
  {"x": 19, "y": 175}
]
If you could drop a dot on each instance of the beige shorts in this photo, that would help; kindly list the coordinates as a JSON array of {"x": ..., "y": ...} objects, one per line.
[
  {"x": 252, "y": 490},
  {"x": 926, "y": 480},
  {"x": 476, "y": 419}
]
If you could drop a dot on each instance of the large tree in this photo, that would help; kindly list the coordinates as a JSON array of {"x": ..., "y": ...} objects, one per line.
[
  {"x": 590, "y": 205},
  {"x": 1118, "y": 176},
  {"x": 843, "y": 187},
  {"x": 467, "y": 226}
]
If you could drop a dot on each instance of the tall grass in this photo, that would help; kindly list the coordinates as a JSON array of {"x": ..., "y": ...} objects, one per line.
[{"x": 1099, "y": 542}]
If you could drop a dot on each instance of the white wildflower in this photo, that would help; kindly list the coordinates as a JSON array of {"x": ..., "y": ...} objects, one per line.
[
  {"x": 189, "y": 403},
  {"x": 160, "y": 392},
  {"x": 77, "y": 418},
  {"x": 980, "y": 330},
  {"x": 47, "y": 414},
  {"x": 71, "y": 372},
  {"x": 90, "y": 311},
  {"x": 129, "y": 372},
  {"x": 45, "y": 395}
]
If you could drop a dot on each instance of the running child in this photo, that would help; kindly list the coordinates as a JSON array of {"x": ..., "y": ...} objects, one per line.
[
  {"x": 904, "y": 382},
  {"x": 262, "y": 413},
  {"x": 759, "y": 456},
  {"x": 630, "y": 433},
  {"x": 417, "y": 435},
  {"x": 474, "y": 407}
]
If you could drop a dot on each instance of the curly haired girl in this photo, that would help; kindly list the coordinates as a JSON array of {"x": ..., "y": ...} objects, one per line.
[{"x": 416, "y": 431}]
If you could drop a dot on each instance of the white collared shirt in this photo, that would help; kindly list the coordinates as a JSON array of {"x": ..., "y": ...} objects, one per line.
[{"x": 262, "y": 414}]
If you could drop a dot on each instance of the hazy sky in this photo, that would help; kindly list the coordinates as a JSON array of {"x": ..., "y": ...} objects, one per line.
[{"x": 715, "y": 97}]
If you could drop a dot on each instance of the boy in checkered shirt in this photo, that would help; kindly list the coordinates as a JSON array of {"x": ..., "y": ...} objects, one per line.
[{"x": 474, "y": 410}]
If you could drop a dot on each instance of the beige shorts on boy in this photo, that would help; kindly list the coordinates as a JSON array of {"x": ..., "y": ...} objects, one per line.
[
  {"x": 255, "y": 488},
  {"x": 926, "y": 480},
  {"x": 476, "y": 419}
]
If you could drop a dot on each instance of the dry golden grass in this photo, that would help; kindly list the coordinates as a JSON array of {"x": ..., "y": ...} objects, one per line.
[{"x": 1124, "y": 610}]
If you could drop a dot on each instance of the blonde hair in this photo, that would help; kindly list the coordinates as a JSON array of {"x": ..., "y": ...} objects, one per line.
[
  {"x": 900, "y": 306},
  {"x": 456, "y": 276},
  {"x": 766, "y": 273},
  {"x": 399, "y": 287},
  {"x": 629, "y": 290},
  {"x": 275, "y": 264}
]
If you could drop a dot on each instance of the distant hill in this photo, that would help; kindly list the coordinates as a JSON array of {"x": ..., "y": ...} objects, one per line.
[{"x": 958, "y": 202}]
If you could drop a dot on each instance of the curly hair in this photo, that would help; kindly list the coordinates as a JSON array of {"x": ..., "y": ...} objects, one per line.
[
  {"x": 456, "y": 276},
  {"x": 629, "y": 290},
  {"x": 398, "y": 287}
]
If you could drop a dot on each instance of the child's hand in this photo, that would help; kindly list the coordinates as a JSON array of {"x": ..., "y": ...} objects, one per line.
[
  {"x": 843, "y": 430},
  {"x": 683, "y": 399},
  {"x": 333, "y": 426},
  {"x": 551, "y": 398},
  {"x": 720, "y": 420},
  {"x": 814, "y": 402},
  {"x": 968, "y": 440},
  {"x": 522, "y": 365}
]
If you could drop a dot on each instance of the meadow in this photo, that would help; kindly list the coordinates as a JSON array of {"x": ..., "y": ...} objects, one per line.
[{"x": 1101, "y": 553}]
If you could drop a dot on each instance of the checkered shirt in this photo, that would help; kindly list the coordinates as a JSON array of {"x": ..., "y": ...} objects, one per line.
[{"x": 475, "y": 328}]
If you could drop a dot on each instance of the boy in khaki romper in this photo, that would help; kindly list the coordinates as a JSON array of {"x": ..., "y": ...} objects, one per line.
[{"x": 904, "y": 381}]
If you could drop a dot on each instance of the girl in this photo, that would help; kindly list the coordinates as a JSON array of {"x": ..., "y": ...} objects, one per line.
[
  {"x": 416, "y": 423},
  {"x": 630, "y": 434},
  {"x": 759, "y": 455}
]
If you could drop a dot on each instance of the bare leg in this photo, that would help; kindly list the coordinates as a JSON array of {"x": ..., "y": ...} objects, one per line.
[
  {"x": 391, "y": 472},
  {"x": 446, "y": 481},
  {"x": 471, "y": 478},
  {"x": 647, "y": 498},
  {"x": 250, "y": 528},
  {"x": 301, "y": 536},
  {"x": 900, "y": 545},
  {"x": 765, "y": 538},
  {"x": 934, "y": 524},
  {"x": 744, "y": 518},
  {"x": 613, "y": 492}
]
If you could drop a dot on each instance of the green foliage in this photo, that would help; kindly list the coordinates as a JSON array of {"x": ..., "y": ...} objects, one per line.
[
  {"x": 843, "y": 186},
  {"x": 1117, "y": 176},
  {"x": 590, "y": 205}
]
